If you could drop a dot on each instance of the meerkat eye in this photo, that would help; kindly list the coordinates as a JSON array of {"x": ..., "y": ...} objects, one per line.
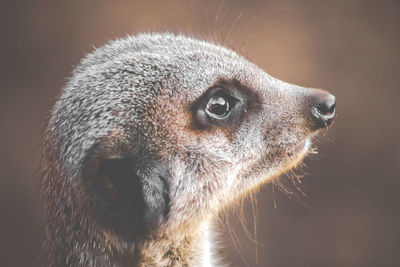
[{"x": 219, "y": 104}]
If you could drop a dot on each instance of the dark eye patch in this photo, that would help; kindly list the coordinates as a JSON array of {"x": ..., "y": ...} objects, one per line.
[
  {"x": 221, "y": 105},
  {"x": 225, "y": 104}
]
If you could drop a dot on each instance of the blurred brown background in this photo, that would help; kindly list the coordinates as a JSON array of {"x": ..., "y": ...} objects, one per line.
[{"x": 351, "y": 215}]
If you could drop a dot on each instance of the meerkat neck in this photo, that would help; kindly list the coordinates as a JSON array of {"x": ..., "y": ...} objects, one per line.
[{"x": 190, "y": 249}]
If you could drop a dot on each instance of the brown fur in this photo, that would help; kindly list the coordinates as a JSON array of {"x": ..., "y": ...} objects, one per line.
[{"x": 137, "y": 164}]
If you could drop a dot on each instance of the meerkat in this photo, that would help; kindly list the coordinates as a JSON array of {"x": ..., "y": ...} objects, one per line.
[{"x": 152, "y": 136}]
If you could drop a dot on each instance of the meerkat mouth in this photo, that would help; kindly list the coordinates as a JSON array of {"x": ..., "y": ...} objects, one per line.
[
  {"x": 298, "y": 154},
  {"x": 303, "y": 146},
  {"x": 290, "y": 160}
]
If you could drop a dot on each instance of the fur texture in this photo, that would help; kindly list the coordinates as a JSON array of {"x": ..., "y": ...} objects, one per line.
[{"x": 134, "y": 168}]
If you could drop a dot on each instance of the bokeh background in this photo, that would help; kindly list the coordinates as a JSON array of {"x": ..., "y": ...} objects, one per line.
[{"x": 350, "y": 214}]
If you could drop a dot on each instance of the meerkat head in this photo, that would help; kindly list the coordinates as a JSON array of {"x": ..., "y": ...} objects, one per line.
[{"x": 160, "y": 131}]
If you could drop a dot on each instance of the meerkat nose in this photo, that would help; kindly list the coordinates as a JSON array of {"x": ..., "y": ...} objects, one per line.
[{"x": 323, "y": 108}]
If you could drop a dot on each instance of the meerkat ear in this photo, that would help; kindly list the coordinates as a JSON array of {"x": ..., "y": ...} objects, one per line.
[{"x": 129, "y": 194}]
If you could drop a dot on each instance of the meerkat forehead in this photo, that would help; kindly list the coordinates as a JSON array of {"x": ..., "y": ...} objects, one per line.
[
  {"x": 181, "y": 60},
  {"x": 161, "y": 43}
]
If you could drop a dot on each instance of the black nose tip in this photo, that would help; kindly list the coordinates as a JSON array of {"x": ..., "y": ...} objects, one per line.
[{"x": 323, "y": 109}]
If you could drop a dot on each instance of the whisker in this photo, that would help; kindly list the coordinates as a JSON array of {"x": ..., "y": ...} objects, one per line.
[
  {"x": 254, "y": 207},
  {"x": 217, "y": 15},
  {"x": 232, "y": 25}
]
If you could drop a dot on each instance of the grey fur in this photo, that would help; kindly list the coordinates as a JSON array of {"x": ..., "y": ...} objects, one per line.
[{"x": 132, "y": 103}]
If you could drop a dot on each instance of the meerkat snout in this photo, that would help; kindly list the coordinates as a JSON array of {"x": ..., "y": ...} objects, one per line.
[{"x": 152, "y": 136}]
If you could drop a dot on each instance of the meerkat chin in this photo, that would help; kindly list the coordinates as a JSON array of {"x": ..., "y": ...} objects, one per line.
[{"x": 152, "y": 136}]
